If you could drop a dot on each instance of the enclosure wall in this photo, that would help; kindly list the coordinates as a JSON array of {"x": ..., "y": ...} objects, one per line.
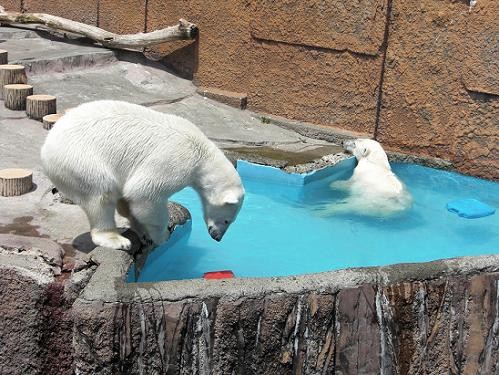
[{"x": 324, "y": 62}]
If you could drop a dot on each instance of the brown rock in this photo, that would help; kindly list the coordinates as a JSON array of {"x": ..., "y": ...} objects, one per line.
[
  {"x": 323, "y": 84},
  {"x": 233, "y": 99},
  {"x": 127, "y": 18},
  {"x": 358, "y": 27},
  {"x": 357, "y": 332},
  {"x": 77, "y": 10},
  {"x": 433, "y": 48},
  {"x": 12, "y": 5}
]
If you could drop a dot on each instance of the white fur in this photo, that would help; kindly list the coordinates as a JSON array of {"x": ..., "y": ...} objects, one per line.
[
  {"x": 373, "y": 189},
  {"x": 108, "y": 155}
]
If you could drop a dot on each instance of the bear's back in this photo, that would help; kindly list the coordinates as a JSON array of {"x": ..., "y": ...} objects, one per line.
[{"x": 116, "y": 138}]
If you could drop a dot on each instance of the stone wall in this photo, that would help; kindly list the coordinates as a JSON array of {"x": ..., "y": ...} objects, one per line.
[
  {"x": 433, "y": 318},
  {"x": 36, "y": 296},
  {"x": 436, "y": 63},
  {"x": 443, "y": 325},
  {"x": 428, "y": 318}
]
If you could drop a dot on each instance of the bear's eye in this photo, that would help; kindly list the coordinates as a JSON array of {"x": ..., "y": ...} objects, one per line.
[{"x": 226, "y": 221}]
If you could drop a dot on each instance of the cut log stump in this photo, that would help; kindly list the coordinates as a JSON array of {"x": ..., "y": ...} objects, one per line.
[
  {"x": 38, "y": 106},
  {"x": 15, "y": 181},
  {"x": 15, "y": 95},
  {"x": 11, "y": 74},
  {"x": 50, "y": 120},
  {"x": 4, "y": 57}
]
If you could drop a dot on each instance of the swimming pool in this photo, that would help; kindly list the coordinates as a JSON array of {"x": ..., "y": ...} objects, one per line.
[{"x": 280, "y": 231}]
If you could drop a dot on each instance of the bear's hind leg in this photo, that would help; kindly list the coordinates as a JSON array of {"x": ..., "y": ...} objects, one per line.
[
  {"x": 100, "y": 213},
  {"x": 152, "y": 219}
]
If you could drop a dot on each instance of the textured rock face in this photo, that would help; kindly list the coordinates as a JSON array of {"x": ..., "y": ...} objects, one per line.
[
  {"x": 432, "y": 327},
  {"x": 440, "y": 91},
  {"x": 77, "y": 10},
  {"x": 422, "y": 77},
  {"x": 20, "y": 315},
  {"x": 448, "y": 324},
  {"x": 315, "y": 78},
  {"x": 35, "y": 306},
  {"x": 14, "y": 5}
]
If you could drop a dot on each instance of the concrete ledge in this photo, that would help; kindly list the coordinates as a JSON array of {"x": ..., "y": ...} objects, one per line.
[
  {"x": 375, "y": 319},
  {"x": 108, "y": 283},
  {"x": 35, "y": 306},
  {"x": 234, "y": 99}
]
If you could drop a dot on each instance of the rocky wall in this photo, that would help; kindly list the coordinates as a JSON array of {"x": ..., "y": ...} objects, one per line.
[
  {"x": 419, "y": 76},
  {"x": 440, "y": 88},
  {"x": 36, "y": 295},
  {"x": 78, "y": 10},
  {"x": 429, "y": 318},
  {"x": 448, "y": 325}
]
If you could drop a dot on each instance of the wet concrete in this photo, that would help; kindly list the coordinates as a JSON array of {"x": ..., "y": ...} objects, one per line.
[{"x": 283, "y": 158}]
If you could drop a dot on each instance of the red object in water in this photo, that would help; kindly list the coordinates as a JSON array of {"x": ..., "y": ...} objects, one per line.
[{"x": 217, "y": 275}]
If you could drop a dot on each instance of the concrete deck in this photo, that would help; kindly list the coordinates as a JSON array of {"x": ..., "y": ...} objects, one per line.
[{"x": 76, "y": 73}]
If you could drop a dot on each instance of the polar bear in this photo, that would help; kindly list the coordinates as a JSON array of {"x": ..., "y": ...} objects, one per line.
[
  {"x": 373, "y": 189},
  {"x": 111, "y": 155}
]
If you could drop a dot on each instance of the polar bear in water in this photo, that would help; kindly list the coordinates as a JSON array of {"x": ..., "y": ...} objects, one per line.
[
  {"x": 109, "y": 155},
  {"x": 373, "y": 189}
]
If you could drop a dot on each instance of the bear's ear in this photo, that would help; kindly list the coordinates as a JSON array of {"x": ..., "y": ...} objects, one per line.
[{"x": 231, "y": 198}]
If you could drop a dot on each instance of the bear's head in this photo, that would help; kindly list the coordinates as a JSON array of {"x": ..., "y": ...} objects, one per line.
[
  {"x": 367, "y": 149},
  {"x": 222, "y": 209}
]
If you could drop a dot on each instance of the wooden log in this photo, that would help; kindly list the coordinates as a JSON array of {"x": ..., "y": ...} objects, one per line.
[
  {"x": 15, "y": 181},
  {"x": 4, "y": 57},
  {"x": 50, "y": 120},
  {"x": 15, "y": 95},
  {"x": 184, "y": 30},
  {"x": 10, "y": 73},
  {"x": 38, "y": 106}
]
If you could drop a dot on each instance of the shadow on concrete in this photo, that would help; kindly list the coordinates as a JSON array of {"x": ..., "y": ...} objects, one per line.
[{"x": 84, "y": 243}]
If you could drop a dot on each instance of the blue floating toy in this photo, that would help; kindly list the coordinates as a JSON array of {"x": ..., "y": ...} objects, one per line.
[{"x": 470, "y": 208}]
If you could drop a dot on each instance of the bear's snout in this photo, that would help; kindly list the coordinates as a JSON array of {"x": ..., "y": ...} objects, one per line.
[{"x": 215, "y": 233}]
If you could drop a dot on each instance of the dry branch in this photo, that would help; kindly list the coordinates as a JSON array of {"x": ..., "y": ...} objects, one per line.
[{"x": 184, "y": 30}]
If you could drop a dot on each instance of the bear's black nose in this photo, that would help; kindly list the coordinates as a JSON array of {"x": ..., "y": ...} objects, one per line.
[{"x": 215, "y": 234}]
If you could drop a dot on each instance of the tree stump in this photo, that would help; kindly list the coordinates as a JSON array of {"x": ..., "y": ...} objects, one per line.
[
  {"x": 50, "y": 120},
  {"x": 15, "y": 95},
  {"x": 4, "y": 57},
  {"x": 38, "y": 106},
  {"x": 11, "y": 74},
  {"x": 15, "y": 181}
]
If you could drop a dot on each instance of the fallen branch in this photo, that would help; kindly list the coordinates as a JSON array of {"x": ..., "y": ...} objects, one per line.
[{"x": 184, "y": 30}]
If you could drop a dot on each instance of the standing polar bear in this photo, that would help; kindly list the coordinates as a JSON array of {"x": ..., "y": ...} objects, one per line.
[
  {"x": 373, "y": 189},
  {"x": 109, "y": 155}
]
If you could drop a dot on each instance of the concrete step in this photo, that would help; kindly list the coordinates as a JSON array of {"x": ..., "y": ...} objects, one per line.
[
  {"x": 15, "y": 33},
  {"x": 45, "y": 55},
  {"x": 135, "y": 83}
]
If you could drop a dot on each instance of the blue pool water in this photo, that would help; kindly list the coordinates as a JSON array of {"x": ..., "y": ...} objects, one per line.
[{"x": 280, "y": 232}]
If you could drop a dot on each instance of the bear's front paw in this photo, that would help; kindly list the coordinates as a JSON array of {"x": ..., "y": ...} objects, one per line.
[{"x": 112, "y": 240}]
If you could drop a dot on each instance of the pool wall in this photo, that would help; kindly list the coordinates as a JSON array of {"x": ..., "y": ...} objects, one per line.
[{"x": 438, "y": 316}]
